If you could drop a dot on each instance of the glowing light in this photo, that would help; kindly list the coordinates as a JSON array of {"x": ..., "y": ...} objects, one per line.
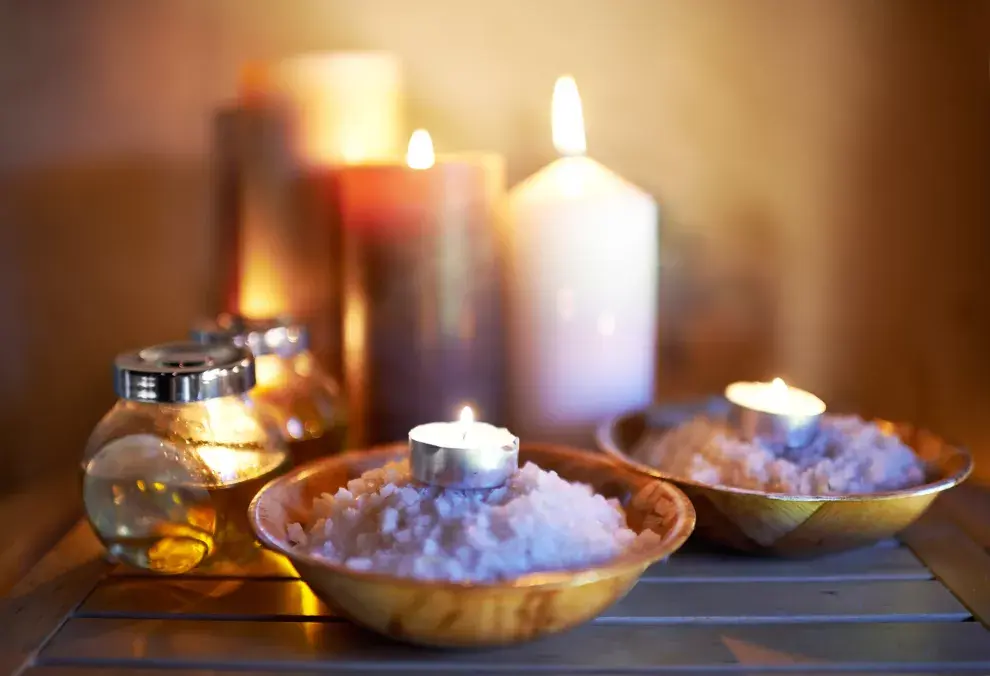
[
  {"x": 270, "y": 372},
  {"x": 775, "y": 397},
  {"x": 420, "y": 153},
  {"x": 567, "y": 118}
]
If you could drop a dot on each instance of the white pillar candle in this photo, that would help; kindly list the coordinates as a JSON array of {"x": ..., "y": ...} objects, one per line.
[
  {"x": 348, "y": 105},
  {"x": 583, "y": 289}
]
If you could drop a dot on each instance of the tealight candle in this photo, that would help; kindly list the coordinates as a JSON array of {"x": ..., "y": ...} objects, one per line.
[
  {"x": 774, "y": 412},
  {"x": 464, "y": 454}
]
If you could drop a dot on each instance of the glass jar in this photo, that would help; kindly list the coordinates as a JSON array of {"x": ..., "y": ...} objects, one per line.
[
  {"x": 168, "y": 473},
  {"x": 292, "y": 388}
]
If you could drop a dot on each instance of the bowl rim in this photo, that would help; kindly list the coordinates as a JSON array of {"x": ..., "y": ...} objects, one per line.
[
  {"x": 605, "y": 438},
  {"x": 679, "y": 532}
]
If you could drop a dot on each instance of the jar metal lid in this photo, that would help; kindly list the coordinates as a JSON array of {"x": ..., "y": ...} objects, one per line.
[
  {"x": 184, "y": 372},
  {"x": 281, "y": 336}
]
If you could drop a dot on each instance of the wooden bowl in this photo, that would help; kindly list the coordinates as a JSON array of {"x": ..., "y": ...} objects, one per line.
[
  {"x": 475, "y": 614},
  {"x": 791, "y": 525}
]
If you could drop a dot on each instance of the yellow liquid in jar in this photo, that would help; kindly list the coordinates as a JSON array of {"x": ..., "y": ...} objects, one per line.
[
  {"x": 154, "y": 512},
  {"x": 306, "y": 408}
]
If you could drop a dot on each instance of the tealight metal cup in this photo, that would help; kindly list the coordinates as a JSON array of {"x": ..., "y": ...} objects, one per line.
[
  {"x": 776, "y": 430},
  {"x": 463, "y": 468}
]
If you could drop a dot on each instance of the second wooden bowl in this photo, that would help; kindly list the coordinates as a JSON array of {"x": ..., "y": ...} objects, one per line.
[
  {"x": 791, "y": 525},
  {"x": 475, "y": 614}
]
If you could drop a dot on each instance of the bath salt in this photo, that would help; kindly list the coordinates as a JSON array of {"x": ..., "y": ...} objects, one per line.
[
  {"x": 537, "y": 522},
  {"x": 848, "y": 456}
]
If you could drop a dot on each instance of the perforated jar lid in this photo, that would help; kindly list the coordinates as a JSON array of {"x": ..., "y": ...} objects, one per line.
[
  {"x": 281, "y": 336},
  {"x": 184, "y": 372}
]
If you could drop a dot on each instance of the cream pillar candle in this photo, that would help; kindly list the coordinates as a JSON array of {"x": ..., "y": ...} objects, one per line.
[
  {"x": 348, "y": 105},
  {"x": 582, "y": 289}
]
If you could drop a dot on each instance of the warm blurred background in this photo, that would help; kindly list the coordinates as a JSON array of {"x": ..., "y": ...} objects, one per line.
[{"x": 822, "y": 169}]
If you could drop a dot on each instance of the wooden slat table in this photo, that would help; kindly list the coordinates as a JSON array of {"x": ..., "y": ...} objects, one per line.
[{"x": 912, "y": 606}]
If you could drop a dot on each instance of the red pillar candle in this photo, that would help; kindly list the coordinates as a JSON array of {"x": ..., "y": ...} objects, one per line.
[
  {"x": 293, "y": 120},
  {"x": 420, "y": 290}
]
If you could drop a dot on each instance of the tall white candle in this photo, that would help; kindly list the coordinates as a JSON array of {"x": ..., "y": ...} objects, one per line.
[
  {"x": 348, "y": 105},
  {"x": 583, "y": 289}
]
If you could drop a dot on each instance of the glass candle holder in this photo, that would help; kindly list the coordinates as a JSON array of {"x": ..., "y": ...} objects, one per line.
[
  {"x": 292, "y": 388},
  {"x": 169, "y": 471}
]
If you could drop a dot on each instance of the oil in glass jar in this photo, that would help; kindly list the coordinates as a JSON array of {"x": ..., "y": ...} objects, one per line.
[
  {"x": 169, "y": 471},
  {"x": 292, "y": 388}
]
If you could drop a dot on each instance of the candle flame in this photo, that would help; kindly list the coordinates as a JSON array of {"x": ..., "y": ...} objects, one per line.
[
  {"x": 467, "y": 415},
  {"x": 567, "y": 118},
  {"x": 269, "y": 371},
  {"x": 226, "y": 463},
  {"x": 779, "y": 386},
  {"x": 420, "y": 153}
]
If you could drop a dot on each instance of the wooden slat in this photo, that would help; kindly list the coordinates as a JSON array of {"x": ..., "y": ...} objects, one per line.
[
  {"x": 203, "y": 598},
  {"x": 265, "y": 565},
  {"x": 646, "y": 603},
  {"x": 38, "y": 604},
  {"x": 959, "y": 562},
  {"x": 885, "y": 562},
  {"x": 384, "y": 671},
  {"x": 467, "y": 671},
  {"x": 287, "y": 645},
  {"x": 789, "y": 602},
  {"x": 33, "y": 520}
]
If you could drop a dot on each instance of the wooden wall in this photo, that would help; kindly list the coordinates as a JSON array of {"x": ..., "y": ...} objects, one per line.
[{"x": 823, "y": 169}]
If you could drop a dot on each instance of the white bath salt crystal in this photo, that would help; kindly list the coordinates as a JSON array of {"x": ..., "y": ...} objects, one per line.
[
  {"x": 296, "y": 534},
  {"x": 359, "y": 563},
  {"x": 849, "y": 456},
  {"x": 537, "y": 521},
  {"x": 480, "y": 537},
  {"x": 422, "y": 567},
  {"x": 390, "y": 519},
  {"x": 627, "y": 538}
]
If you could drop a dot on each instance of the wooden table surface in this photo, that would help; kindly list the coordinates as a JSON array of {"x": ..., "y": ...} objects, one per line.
[{"x": 918, "y": 605}]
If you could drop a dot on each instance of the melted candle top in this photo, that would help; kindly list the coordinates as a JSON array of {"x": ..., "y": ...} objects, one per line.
[{"x": 465, "y": 435}]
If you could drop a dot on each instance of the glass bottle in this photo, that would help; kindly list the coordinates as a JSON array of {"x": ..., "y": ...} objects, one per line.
[
  {"x": 292, "y": 388},
  {"x": 169, "y": 471}
]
